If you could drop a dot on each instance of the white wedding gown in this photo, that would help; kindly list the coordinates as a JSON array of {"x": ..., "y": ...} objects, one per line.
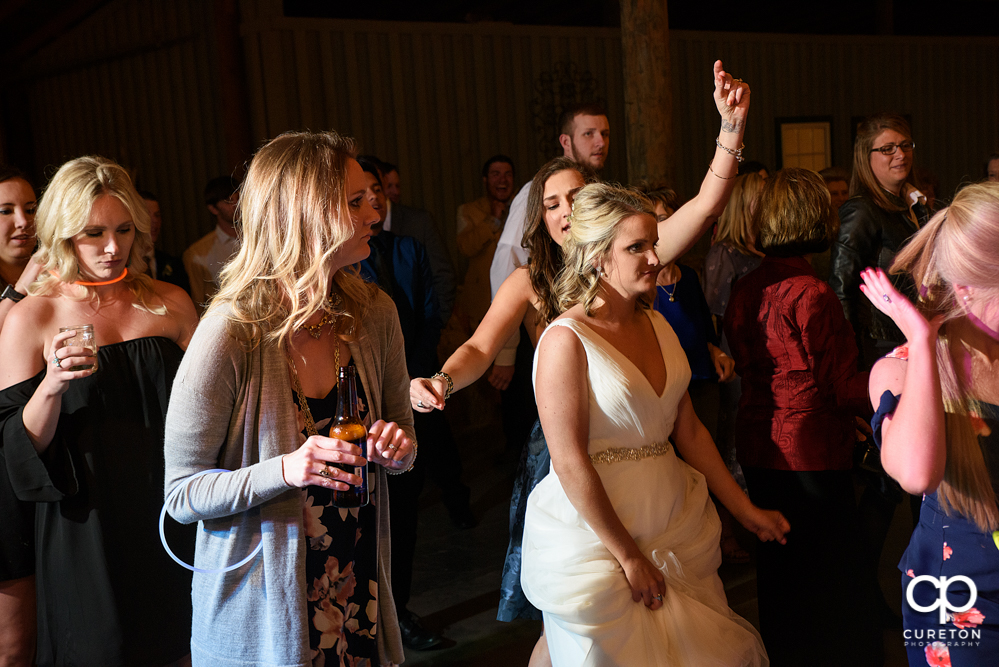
[{"x": 590, "y": 618}]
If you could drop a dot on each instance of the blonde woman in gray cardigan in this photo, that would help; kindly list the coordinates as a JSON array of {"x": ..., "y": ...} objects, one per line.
[{"x": 290, "y": 311}]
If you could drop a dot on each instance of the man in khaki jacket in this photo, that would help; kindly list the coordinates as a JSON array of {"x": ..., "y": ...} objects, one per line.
[{"x": 480, "y": 224}]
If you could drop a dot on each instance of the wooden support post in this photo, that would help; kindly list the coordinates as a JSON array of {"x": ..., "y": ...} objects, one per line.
[{"x": 648, "y": 102}]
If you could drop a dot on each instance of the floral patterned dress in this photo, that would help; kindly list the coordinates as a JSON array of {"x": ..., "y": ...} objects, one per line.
[
  {"x": 341, "y": 564},
  {"x": 951, "y": 546}
]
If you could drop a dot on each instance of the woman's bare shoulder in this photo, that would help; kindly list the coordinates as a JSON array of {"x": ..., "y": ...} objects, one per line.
[
  {"x": 519, "y": 280},
  {"x": 177, "y": 301},
  {"x": 576, "y": 314},
  {"x": 33, "y": 313},
  {"x": 888, "y": 374},
  {"x": 516, "y": 289}
]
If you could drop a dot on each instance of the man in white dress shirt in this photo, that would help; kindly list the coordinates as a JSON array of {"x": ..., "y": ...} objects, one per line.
[{"x": 585, "y": 138}]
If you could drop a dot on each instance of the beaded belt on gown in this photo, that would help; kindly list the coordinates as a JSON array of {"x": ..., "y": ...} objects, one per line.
[{"x": 617, "y": 454}]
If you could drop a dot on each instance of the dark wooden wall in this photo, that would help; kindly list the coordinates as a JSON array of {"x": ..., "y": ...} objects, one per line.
[{"x": 138, "y": 82}]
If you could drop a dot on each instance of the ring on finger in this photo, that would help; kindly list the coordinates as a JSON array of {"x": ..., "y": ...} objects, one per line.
[
  {"x": 56, "y": 361},
  {"x": 886, "y": 298},
  {"x": 659, "y": 597},
  {"x": 419, "y": 404},
  {"x": 325, "y": 472}
]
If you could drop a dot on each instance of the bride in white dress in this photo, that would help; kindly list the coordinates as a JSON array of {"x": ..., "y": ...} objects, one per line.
[{"x": 621, "y": 542}]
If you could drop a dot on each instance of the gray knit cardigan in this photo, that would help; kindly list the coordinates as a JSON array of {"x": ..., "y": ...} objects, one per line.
[{"x": 233, "y": 409}]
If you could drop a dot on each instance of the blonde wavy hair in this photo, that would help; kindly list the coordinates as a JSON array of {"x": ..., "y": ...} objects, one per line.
[
  {"x": 597, "y": 212},
  {"x": 735, "y": 226},
  {"x": 64, "y": 211},
  {"x": 957, "y": 247},
  {"x": 294, "y": 217}
]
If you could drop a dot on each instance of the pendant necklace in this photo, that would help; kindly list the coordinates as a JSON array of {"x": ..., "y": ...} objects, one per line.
[{"x": 670, "y": 294}]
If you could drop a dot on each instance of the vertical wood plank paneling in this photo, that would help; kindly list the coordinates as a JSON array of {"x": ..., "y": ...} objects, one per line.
[
  {"x": 130, "y": 83},
  {"x": 430, "y": 135},
  {"x": 332, "y": 68},
  {"x": 135, "y": 81},
  {"x": 481, "y": 89},
  {"x": 449, "y": 117},
  {"x": 353, "y": 81},
  {"x": 255, "y": 85},
  {"x": 460, "y": 44},
  {"x": 303, "y": 74},
  {"x": 500, "y": 88},
  {"x": 394, "y": 81},
  {"x": 520, "y": 150},
  {"x": 274, "y": 77}
]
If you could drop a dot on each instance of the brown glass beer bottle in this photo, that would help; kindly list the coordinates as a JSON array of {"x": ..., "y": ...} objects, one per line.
[{"x": 347, "y": 426}]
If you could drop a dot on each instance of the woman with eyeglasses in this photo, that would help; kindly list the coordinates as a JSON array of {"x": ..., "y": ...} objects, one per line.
[{"x": 883, "y": 211}]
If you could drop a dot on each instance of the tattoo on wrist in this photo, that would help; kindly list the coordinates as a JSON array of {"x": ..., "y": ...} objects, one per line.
[{"x": 731, "y": 126}]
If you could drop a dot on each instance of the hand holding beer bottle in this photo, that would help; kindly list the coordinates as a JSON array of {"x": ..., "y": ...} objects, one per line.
[{"x": 338, "y": 462}]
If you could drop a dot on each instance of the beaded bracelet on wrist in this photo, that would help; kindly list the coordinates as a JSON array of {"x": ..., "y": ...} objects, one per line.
[
  {"x": 446, "y": 378},
  {"x": 734, "y": 152}
]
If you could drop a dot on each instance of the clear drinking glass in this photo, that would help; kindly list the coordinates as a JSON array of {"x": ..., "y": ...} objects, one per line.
[{"x": 84, "y": 338}]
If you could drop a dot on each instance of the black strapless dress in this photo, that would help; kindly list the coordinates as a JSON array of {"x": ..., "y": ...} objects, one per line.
[{"x": 107, "y": 592}]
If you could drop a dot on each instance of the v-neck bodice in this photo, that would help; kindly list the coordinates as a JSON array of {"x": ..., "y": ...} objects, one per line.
[
  {"x": 624, "y": 407},
  {"x": 568, "y": 572}
]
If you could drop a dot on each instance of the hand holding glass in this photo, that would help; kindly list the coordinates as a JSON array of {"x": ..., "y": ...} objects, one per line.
[{"x": 84, "y": 338}]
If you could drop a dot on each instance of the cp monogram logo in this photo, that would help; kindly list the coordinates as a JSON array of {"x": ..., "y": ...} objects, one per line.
[{"x": 942, "y": 584}]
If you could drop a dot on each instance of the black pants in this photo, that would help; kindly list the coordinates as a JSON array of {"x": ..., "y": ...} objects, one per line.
[
  {"x": 815, "y": 607},
  {"x": 438, "y": 459}
]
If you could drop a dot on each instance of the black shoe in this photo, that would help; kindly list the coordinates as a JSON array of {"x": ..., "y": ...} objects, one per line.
[{"x": 414, "y": 635}]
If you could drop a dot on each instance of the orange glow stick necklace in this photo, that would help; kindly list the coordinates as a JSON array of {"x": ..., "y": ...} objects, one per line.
[{"x": 100, "y": 284}]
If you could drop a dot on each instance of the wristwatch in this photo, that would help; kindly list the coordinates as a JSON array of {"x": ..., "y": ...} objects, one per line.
[{"x": 10, "y": 293}]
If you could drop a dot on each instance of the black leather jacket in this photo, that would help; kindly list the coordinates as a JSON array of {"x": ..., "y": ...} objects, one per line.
[{"x": 870, "y": 236}]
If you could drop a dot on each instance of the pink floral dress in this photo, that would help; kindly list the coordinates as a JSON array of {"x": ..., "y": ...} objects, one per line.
[{"x": 341, "y": 565}]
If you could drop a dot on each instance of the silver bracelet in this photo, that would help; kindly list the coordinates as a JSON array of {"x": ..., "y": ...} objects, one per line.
[
  {"x": 724, "y": 178},
  {"x": 736, "y": 153},
  {"x": 411, "y": 463}
]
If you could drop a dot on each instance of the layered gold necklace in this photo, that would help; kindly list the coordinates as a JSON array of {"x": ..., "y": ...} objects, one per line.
[
  {"x": 329, "y": 317},
  {"x": 316, "y": 330}
]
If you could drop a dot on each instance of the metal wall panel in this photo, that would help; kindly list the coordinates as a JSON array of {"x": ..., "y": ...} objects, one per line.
[{"x": 136, "y": 83}]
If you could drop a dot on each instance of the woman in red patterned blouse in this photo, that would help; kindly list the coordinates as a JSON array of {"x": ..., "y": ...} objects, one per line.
[{"x": 795, "y": 432}]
